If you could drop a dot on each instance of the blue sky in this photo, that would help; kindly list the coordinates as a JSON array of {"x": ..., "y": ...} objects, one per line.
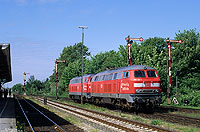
[{"x": 38, "y": 30}]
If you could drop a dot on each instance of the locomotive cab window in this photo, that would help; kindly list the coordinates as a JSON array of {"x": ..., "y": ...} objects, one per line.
[
  {"x": 85, "y": 80},
  {"x": 126, "y": 75},
  {"x": 139, "y": 74},
  {"x": 151, "y": 74}
]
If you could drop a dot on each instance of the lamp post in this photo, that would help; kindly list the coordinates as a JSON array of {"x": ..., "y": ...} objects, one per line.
[{"x": 83, "y": 27}]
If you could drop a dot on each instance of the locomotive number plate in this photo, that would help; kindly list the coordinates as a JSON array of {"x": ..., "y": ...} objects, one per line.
[{"x": 147, "y": 84}]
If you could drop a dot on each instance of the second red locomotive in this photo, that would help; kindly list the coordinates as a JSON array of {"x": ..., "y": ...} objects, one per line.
[{"x": 129, "y": 87}]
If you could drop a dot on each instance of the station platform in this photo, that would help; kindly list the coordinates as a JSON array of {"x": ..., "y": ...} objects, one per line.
[{"x": 7, "y": 115}]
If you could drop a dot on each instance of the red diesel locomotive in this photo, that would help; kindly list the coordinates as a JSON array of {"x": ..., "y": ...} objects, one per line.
[
  {"x": 129, "y": 87},
  {"x": 75, "y": 87}
]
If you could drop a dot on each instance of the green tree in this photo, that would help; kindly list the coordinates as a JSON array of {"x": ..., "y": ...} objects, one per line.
[
  {"x": 34, "y": 86},
  {"x": 186, "y": 61},
  {"x": 18, "y": 88},
  {"x": 73, "y": 56},
  {"x": 103, "y": 61}
]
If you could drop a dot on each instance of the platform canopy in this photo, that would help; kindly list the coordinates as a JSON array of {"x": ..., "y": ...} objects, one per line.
[{"x": 5, "y": 63}]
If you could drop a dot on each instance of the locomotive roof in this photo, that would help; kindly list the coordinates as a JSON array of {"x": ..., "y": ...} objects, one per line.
[
  {"x": 86, "y": 75},
  {"x": 133, "y": 67}
]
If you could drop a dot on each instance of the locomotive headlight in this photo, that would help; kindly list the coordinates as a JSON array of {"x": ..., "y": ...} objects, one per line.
[
  {"x": 138, "y": 90},
  {"x": 156, "y": 90}
]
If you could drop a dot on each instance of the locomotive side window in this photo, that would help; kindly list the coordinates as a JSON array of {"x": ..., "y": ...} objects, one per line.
[
  {"x": 85, "y": 80},
  {"x": 126, "y": 75},
  {"x": 115, "y": 76},
  {"x": 139, "y": 74},
  {"x": 108, "y": 77},
  {"x": 119, "y": 75},
  {"x": 74, "y": 81},
  {"x": 101, "y": 77},
  {"x": 104, "y": 77},
  {"x": 96, "y": 78},
  {"x": 151, "y": 74}
]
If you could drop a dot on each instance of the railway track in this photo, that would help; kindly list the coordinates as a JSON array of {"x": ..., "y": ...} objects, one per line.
[
  {"x": 162, "y": 113},
  {"x": 161, "y": 108},
  {"x": 112, "y": 123},
  {"x": 173, "y": 118},
  {"x": 37, "y": 120},
  {"x": 179, "y": 109}
]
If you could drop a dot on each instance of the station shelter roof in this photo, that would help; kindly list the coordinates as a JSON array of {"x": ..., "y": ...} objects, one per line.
[{"x": 5, "y": 63}]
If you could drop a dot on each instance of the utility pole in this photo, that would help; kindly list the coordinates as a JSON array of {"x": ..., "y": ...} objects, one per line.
[
  {"x": 25, "y": 82},
  {"x": 169, "y": 67},
  {"x": 58, "y": 61},
  {"x": 82, "y": 27},
  {"x": 129, "y": 42},
  {"x": 177, "y": 74}
]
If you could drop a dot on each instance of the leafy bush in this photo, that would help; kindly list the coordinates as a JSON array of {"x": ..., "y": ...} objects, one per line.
[{"x": 156, "y": 122}]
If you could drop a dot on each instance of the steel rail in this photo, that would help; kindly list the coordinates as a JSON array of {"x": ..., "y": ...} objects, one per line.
[
  {"x": 174, "y": 108},
  {"x": 94, "y": 118},
  {"x": 46, "y": 117},
  {"x": 106, "y": 115},
  {"x": 25, "y": 116},
  {"x": 4, "y": 108}
]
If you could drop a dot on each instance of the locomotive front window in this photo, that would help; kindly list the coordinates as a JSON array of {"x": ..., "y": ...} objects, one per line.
[
  {"x": 139, "y": 73},
  {"x": 151, "y": 74}
]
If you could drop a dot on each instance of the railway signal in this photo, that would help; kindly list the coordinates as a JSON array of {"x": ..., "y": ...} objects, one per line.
[
  {"x": 58, "y": 61},
  {"x": 25, "y": 82},
  {"x": 129, "y": 42},
  {"x": 169, "y": 66}
]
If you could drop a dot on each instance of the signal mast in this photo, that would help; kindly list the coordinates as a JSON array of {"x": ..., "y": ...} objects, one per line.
[
  {"x": 129, "y": 42},
  {"x": 58, "y": 61},
  {"x": 25, "y": 82},
  {"x": 169, "y": 66}
]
